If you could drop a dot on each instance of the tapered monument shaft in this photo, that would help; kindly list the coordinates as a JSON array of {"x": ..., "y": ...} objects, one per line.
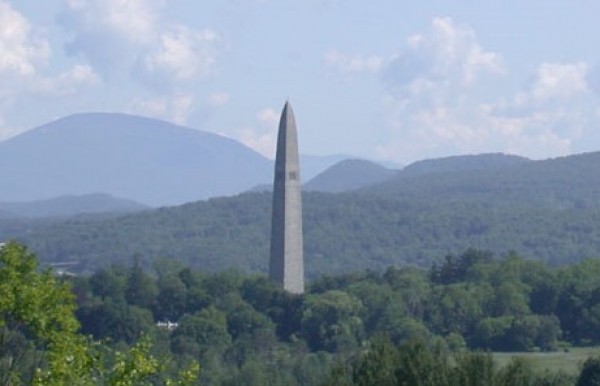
[{"x": 286, "y": 265}]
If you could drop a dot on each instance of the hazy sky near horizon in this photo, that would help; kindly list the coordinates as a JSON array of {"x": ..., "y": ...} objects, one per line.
[{"x": 387, "y": 79}]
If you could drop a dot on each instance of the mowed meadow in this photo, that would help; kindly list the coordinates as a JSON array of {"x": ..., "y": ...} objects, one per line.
[{"x": 568, "y": 360}]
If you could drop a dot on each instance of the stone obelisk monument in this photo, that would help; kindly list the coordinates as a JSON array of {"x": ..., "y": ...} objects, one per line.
[{"x": 286, "y": 265}]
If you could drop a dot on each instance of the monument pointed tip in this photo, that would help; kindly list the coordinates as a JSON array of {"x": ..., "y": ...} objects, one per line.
[{"x": 287, "y": 110}]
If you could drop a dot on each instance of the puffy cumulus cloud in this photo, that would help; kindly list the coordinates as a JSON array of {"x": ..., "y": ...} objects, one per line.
[
  {"x": 349, "y": 65},
  {"x": 130, "y": 37},
  {"x": 546, "y": 119},
  {"x": 539, "y": 134},
  {"x": 175, "y": 109},
  {"x": 558, "y": 80},
  {"x": 182, "y": 54},
  {"x": 109, "y": 33},
  {"x": 134, "y": 20},
  {"x": 558, "y": 103},
  {"x": 440, "y": 104},
  {"x": 66, "y": 83},
  {"x": 554, "y": 87},
  {"x": 450, "y": 131},
  {"x": 20, "y": 52},
  {"x": 448, "y": 56},
  {"x": 269, "y": 118},
  {"x": 24, "y": 53},
  {"x": 264, "y": 138}
]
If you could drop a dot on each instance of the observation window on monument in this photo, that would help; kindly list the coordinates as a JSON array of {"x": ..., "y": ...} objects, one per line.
[{"x": 293, "y": 175}]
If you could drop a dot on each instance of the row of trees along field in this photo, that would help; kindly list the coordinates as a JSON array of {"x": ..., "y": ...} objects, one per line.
[{"x": 398, "y": 327}]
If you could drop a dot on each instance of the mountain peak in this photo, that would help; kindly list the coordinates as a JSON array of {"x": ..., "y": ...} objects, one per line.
[
  {"x": 349, "y": 174},
  {"x": 143, "y": 159}
]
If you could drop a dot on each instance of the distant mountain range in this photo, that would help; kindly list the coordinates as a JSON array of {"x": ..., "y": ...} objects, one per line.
[
  {"x": 350, "y": 174},
  {"x": 141, "y": 159},
  {"x": 547, "y": 210},
  {"x": 463, "y": 163},
  {"x": 65, "y": 206}
]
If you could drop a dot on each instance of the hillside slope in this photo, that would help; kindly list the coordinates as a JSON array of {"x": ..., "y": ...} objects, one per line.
[
  {"x": 142, "y": 159},
  {"x": 563, "y": 182},
  {"x": 347, "y": 175},
  {"x": 65, "y": 206},
  {"x": 463, "y": 163},
  {"x": 547, "y": 210}
]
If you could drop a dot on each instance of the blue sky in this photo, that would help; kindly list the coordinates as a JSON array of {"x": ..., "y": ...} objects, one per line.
[{"x": 388, "y": 80}]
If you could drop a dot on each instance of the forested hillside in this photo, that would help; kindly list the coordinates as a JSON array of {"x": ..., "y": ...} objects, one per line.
[
  {"x": 557, "y": 183},
  {"x": 65, "y": 206},
  {"x": 463, "y": 163},
  {"x": 242, "y": 328},
  {"x": 547, "y": 210},
  {"x": 131, "y": 326},
  {"x": 347, "y": 175}
]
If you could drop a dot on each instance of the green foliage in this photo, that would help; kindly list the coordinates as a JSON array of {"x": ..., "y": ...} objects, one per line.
[
  {"x": 37, "y": 312},
  {"x": 37, "y": 305},
  {"x": 590, "y": 373},
  {"x": 331, "y": 321},
  {"x": 246, "y": 330},
  {"x": 417, "y": 363},
  {"x": 422, "y": 219},
  {"x": 377, "y": 366}
]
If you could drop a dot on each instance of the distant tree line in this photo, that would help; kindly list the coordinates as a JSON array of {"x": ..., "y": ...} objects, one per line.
[
  {"x": 244, "y": 330},
  {"x": 393, "y": 328},
  {"x": 343, "y": 232},
  {"x": 403, "y": 326}
]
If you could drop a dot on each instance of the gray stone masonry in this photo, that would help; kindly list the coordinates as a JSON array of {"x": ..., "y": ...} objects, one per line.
[{"x": 286, "y": 266}]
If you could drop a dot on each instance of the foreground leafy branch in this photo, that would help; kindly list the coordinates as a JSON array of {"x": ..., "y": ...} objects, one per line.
[{"x": 38, "y": 307}]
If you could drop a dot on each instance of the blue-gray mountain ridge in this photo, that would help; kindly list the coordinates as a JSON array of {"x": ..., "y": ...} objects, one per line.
[{"x": 146, "y": 160}]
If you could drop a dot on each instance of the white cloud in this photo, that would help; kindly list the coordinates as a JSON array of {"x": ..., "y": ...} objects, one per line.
[
  {"x": 269, "y": 118},
  {"x": 132, "y": 20},
  {"x": 350, "y": 65},
  {"x": 24, "y": 54},
  {"x": 175, "y": 109},
  {"x": 20, "y": 52},
  {"x": 130, "y": 37},
  {"x": 558, "y": 80},
  {"x": 455, "y": 48},
  {"x": 474, "y": 128},
  {"x": 449, "y": 56},
  {"x": 149, "y": 107},
  {"x": 263, "y": 139},
  {"x": 182, "y": 54},
  {"x": 109, "y": 34},
  {"x": 66, "y": 83},
  {"x": 437, "y": 108}
]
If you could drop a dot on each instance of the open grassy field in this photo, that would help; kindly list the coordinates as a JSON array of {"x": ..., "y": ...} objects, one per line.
[{"x": 569, "y": 361}]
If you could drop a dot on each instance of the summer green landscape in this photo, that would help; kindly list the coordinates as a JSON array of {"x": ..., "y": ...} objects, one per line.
[
  {"x": 299, "y": 193},
  {"x": 469, "y": 270}
]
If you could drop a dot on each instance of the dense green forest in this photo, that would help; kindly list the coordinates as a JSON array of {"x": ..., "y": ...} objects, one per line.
[
  {"x": 342, "y": 233},
  {"x": 356, "y": 328},
  {"x": 395, "y": 295},
  {"x": 546, "y": 210}
]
